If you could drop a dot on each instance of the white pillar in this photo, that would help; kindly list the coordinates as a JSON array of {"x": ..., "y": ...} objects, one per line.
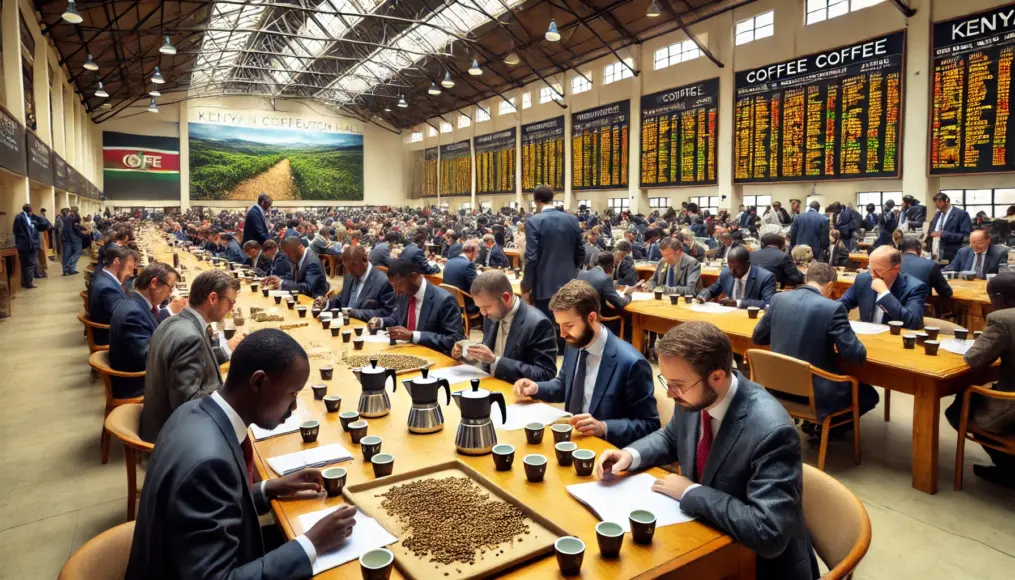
[{"x": 184, "y": 116}]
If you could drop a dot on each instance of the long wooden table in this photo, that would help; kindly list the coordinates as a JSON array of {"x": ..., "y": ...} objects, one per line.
[
  {"x": 927, "y": 378},
  {"x": 691, "y": 550}
]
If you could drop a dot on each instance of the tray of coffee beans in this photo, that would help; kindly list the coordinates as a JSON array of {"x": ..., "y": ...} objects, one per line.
[
  {"x": 451, "y": 522},
  {"x": 402, "y": 363}
]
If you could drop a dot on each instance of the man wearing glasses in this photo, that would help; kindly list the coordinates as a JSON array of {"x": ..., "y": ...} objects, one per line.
[
  {"x": 184, "y": 354},
  {"x": 883, "y": 293}
]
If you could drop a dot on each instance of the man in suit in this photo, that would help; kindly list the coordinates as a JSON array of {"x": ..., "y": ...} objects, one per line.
[
  {"x": 231, "y": 249},
  {"x": 811, "y": 229},
  {"x": 308, "y": 274},
  {"x": 677, "y": 272},
  {"x": 183, "y": 357},
  {"x": 847, "y": 221},
  {"x": 948, "y": 229},
  {"x": 806, "y": 324},
  {"x": 603, "y": 382},
  {"x": 772, "y": 258},
  {"x": 255, "y": 226},
  {"x": 870, "y": 221},
  {"x": 888, "y": 222},
  {"x": 926, "y": 271},
  {"x": 591, "y": 249},
  {"x": 913, "y": 214},
  {"x": 424, "y": 314},
  {"x": 742, "y": 285},
  {"x": 280, "y": 266},
  {"x": 625, "y": 273},
  {"x": 492, "y": 255},
  {"x": 653, "y": 245},
  {"x": 198, "y": 512},
  {"x": 637, "y": 248},
  {"x": 134, "y": 322},
  {"x": 980, "y": 256},
  {"x": 600, "y": 277},
  {"x": 380, "y": 254},
  {"x": 726, "y": 243},
  {"x": 883, "y": 293},
  {"x": 26, "y": 238},
  {"x": 452, "y": 248},
  {"x": 73, "y": 240},
  {"x": 737, "y": 447},
  {"x": 460, "y": 272},
  {"x": 257, "y": 259},
  {"x": 415, "y": 253},
  {"x": 107, "y": 288},
  {"x": 518, "y": 341},
  {"x": 323, "y": 244},
  {"x": 365, "y": 289}
]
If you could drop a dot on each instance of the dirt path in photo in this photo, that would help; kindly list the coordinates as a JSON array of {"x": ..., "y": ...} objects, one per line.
[{"x": 276, "y": 182}]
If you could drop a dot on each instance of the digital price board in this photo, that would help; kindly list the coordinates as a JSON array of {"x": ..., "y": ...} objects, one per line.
[
  {"x": 679, "y": 130},
  {"x": 456, "y": 168},
  {"x": 543, "y": 154},
  {"x": 600, "y": 139},
  {"x": 495, "y": 162}
]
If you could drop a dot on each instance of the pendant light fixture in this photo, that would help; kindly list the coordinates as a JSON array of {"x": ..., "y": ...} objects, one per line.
[
  {"x": 387, "y": 109},
  {"x": 167, "y": 46},
  {"x": 71, "y": 13},
  {"x": 474, "y": 70},
  {"x": 101, "y": 92},
  {"x": 90, "y": 63},
  {"x": 552, "y": 34},
  {"x": 155, "y": 92},
  {"x": 401, "y": 102},
  {"x": 434, "y": 90},
  {"x": 512, "y": 58},
  {"x": 157, "y": 77},
  {"x": 653, "y": 10},
  {"x": 448, "y": 82},
  {"x": 152, "y": 107}
]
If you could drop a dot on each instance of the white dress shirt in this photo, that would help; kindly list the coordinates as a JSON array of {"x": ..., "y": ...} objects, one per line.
[
  {"x": 503, "y": 330},
  {"x": 740, "y": 286},
  {"x": 936, "y": 245},
  {"x": 360, "y": 282},
  {"x": 240, "y": 430},
  {"x": 419, "y": 306}
]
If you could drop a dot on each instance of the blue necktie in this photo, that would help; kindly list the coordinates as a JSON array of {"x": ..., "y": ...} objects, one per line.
[
  {"x": 669, "y": 277},
  {"x": 574, "y": 402}
]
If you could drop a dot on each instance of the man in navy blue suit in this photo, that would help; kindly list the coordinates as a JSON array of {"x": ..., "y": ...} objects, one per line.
[
  {"x": 365, "y": 289},
  {"x": 308, "y": 277},
  {"x": 980, "y": 256},
  {"x": 913, "y": 214},
  {"x": 257, "y": 259},
  {"x": 107, "y": 290},
  {"x": 424, "y": 314},
  {"x": 494, "y": 256},
  {"x": 231, "y": 249},
  {"x": 603, "y": 382},
  {"x": 73, "y": 240},
  {"x": 255, "y": 225},
  {"x": 948, "y": 229},
  {"x": 742, "y": 284},
  {"x": 847, "y": 221},
  {"x": 279, "y": 266},
  {"x": 26, "y": 238},
  {"x": 415, "y": 253},
  {"x": 811, "y": 229},
  {"x": 926, "y": 271},
  {"x": 883, "y": 293},
  {"x": 452, "y": 247},
  {"x": 460, "y": 272},
  {"x": 380, "y": 254}
]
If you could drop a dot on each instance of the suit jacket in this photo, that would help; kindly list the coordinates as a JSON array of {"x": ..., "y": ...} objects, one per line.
[
  {"x": 104, "y": 295},
  {"x": 376, "y": 298},
  {"x": 888, "y": 222},
  {"x": 198, "y": 516},
  {"x": 638, "y": 250},
  {"x": 603, "y": 284},
  {"x": 840, "y": 257},
  {"x": 553, "y": 252},
  {"x": 625, "y": 272},
  {"x": 844, "y": 223},
  {"x": 653, "y": 253},
  {"x": 310, "y": 279},
  {"x": 281, "y": 266},
  {"x": 928, "y": 272},
  {"x": 915, "y": 215},
  {"x": 460, "y": 272},
  {"x": 778, "y": 263},
  {"x": 181, "y": 367},
  {"x": 723, "y": 250},
  {"x": 234, "y": 253},
  {"x": 255, "y": 227},
  {"x": 997, "y": 341},
  {"x": 26, "y": 235},
  {"x": 687, "y": 276},
  {"x": 380, "y": 254},
  {"x": 416, "y": 255},
  {"x": 591, "y": 255},
  {"x": 440, "y": 320},
  {"x": 262, "y": 264},
  {"x": 954, "y": 232},
  {"x": 130, "y": 332},
  {"x": 870, "y": 221},
  {"x": 453, "y": 251},
  {"x": 804, "y": 324},
  {"x": 904, "y": 301},
  {"x": 530, "y": 350},
  {"x": 622, "y": 397},
  {"x": 810, "y": 229},
  {"x": 752, "y": 486},
  {"x": 496, "y": 255},
  {"x": 965, "y": 260},
  {"x": 758, "y": 291}
]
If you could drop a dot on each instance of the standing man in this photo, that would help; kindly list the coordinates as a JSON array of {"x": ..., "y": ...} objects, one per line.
[
  {"x": 107, "y": 289},
  {"x": 424, "y": 314},
  {"x": 980, "y": 256},
  {"x": 44, "y": 229},
  {"x": 948, "y": 229},
  {"x": 73, "y": 240},
  {"x": 887, "y": 223},
  {"x": 810, "y": 229},
  {"x": 913, "y": 214},
  {"x": 365, "y": 289},
  {"x": 26, "y": 238},
  {"x": 883, "y": 293},
  {"x": 772, "y": 258},
  {"x": 848, "y": 221},
  {"x": 255, "y": 226}
]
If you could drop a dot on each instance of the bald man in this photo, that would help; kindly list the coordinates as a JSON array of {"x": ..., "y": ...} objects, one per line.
[
  {"x": 365, "y": 289},
  {"x": 884, "y": 293},
  {"x": 979, "y": 256}
]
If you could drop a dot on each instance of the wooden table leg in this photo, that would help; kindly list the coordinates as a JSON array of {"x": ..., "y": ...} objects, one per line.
[
  {"x": 975, "y": 317},
  {"x": 926, "y": 423},
  {"x": 637, "y": 333}
]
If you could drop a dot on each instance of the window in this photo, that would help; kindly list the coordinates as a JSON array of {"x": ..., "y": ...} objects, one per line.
[
  {"x": 445, "y": 127},
  {"x": 709, "y": 203},
  {"x": 581, "y": 83},
  {"x": 485, "y": 205},
  {"x": 878, "y": 198},
  {"x": 417, "y": 136},
  {"x": 432, "y": 132},
  {"x": 993, "y": 202},
  {"x": 619, "y": 203},
  {"x": 585, "y": 204},
  {"x": 757, "y": 201},
  {"x": 658, "y": 202},
  {"x": 482, "y": 114},
  {"x": 617, "y": 71},
  {"x": 526, "y": 100},
  {"x": 466, "y": 205},
  {"x": 507, "y": 107},
  {"x": 513, "y": 204},
  {"x": 761, "y": 26},
  {"x": 819, "y": 10},
  {"x": 558, "y": 204},
  {"x": 463, "y": 121},
  {"x": 678, "y": 52},
  {"x": 547, "y": 94}
]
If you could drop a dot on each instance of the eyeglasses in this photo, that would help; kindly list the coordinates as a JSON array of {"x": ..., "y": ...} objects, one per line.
[
  {"x": 680, "y": 391},
  {"x": 875, "y": 274}
]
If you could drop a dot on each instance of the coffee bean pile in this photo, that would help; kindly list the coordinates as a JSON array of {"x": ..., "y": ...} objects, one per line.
[
  {"x": 292, "y": 326},
  {"x": 450, "y": 519},
  {"x": 399, "y": 362},
  {"x": 267, "y": 317}
]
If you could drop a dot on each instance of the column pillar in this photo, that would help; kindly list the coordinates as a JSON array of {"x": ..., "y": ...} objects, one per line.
[{"x": 184, "y": 116}]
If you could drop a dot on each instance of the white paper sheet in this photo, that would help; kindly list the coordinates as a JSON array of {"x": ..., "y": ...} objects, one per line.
[
  {"x": 282, "y": 293},
  {"x": 379, "y": 337},
  {"x": 459, "y": 374},
  {"x": 290, "y": 425},
  {"x": 613, "y": 501},
  {"x": 521, "y": 414},
  {"x": 367, "y": 535},
  {"x": 316, "y": 457},
  {"x": 868, "y": 327},
  {"x": 959, "y": 347},
  {"x": 635, "y": 296},
  {"x": 713, "y": 308}
]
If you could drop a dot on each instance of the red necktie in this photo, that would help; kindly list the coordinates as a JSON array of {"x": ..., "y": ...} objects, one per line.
[
  {"x": 412, "y": 314},
  {"x": 155, "y": 312},
  {"x": 704, "y": 445},
  {"x": 248, "y": 456}
]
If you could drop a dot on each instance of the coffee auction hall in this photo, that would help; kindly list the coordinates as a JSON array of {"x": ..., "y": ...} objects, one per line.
[{"x": 610, "y": 289}]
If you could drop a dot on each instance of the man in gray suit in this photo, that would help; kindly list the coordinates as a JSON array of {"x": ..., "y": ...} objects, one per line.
[
  {"x": 183, "y": 359},
  {"x": 365, "y": 289},
  {"x": 737, "y": 447},
  {"x": 677, "y": 272},
  {"x": 591, "y": 249},
  {"x": 600, "y": 277}
]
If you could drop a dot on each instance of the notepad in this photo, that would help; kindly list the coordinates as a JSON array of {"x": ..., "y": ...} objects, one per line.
[
  {"x": 521, "y": 414},
  {"x": 459, "y": 374},
  {"x": 867, "y": 327},
  {"x": 959, "y": 347},
  {"x": 290, "y": 425},
  {"x": 635, "y": 296},
  {"x": 367, "y": 535},
  {"x": 316, "y": 457},
  {"x": 713, "y": 308},
  {"x": 282, "y": 293},
  {"x": 613, "y": 501}
]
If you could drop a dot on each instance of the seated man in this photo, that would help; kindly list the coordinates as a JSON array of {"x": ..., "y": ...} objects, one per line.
[
  {"x": 625, "y": 273},
  {"x": 309, "y": 278},
  {"x": 460, "y": 272},
  {"x": 323, "y": 244},
  {"x": 365, "y": 289},
  {"x": 415, "y": 252},
  {"x": 231, "y": 249},
  {"x": 518, "y": 340},
  {"x": 979, "y": 256},
  {"x": 256, "y": 257},
  {"x": 280, "y": 266},
  {"x": 772, "y": 258},
  {"x": 725, "y": 245},
  {"x": 883, "y": 293},
  {"x": 380, "y": 254},
  {"x": 653, "y": 245},
  {"x": 751, "y": 487},
  {"x": 826, "y": 329},
  {"x": 452, "y": 247},
  {"x": 601, "y": 278},
  {"x": 492, "y": 255},
  {"x": 592, "y": 249},
  {"x": 107, "y": 289},
  {"x": 926, "y": 271},
  {"x": 603, "y": 382},
  {"x": 198, "y": 513},
  {"x": 424, "y": 314},
  {"x": 742, "y": 285},
  {"x": 677, "y": 272}
]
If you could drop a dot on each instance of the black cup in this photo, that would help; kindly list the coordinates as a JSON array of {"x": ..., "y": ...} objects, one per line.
[
  {"x": 359, "y": 330},
  {"x": 752, "y": 312},
  {"x": 315, "y": 312},
  {"x": 932, "y": 332},
  {"x": 384, "y": 464},
  {"x": 570, "y": 554},
  {"x": 335, "y": 330},
  {"x": 302, "y": 310},
  {"x": 370, "y": 446},
  {"x": 319, "y": 391},
  {"x": 921, "y": 337},
  {"x": 334, "y": 480},
  {"x": 357, "y": 430},
  {"x": 659, "y": 294},
  {"x": 325, "y": 323},
  {"x": 535, "y": 467},
  {"x": 561, "y": 432},
  {"x": 327, "y": 372},
  {"x": 643, "y": 526},
  {"x": 253, "y": 287},
  {"x": 347, "y": 417},
  {"x": 584, "y": 461},
  {"x": 909, "y": 341},
  {"x": 376, "y": 564},
  {"x": 346, "y": 335},
  {"x": 688, "y": 298},
  {"x": 335, "y": 312},
  {"x": 357, "y": 344},
  {"x": 961, "y": 333},
  {"x": 610, "y": 537},
  {"x": 392, "y": 341},
  {"x": 534, "y": 433},
  {"x": 229, "y": 332},
  {"x": 930, "y": 347},
  {"x": 674, "y": 299},
  {"x": 291, "y": 304},
  {"x": 503, "y": 456},
  {"x": 564, "y": 451},
  {"x": 278, "y": 299},
  {"x": 309, "y": 431},
  {"x": 264, "y": 292},
  {"x": 895, "y": 327},
  {"x": 333, "y": 403}
]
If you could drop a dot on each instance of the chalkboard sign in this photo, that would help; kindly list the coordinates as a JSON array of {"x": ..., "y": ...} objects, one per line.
[
  {"x": 12, "y": 144},
  {"x": 679, "y": 129},
  {"x": 600, "y": 139},
  {"x": 72, "y": 180},
  {"x": 40, "y": 160},
  {"x": 543, "y": 154},
  {"x": 430, "y": 171},
  {"x": 829, "y": 115},
  {"x": 456, "y": 169},
  {"x": 59, "y": 172},
  {"x": 495, "y": 162},
  {"x": 971, "y": 101}
]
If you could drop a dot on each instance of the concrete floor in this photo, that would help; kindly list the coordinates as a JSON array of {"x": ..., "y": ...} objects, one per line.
[{"x": 55, "y": 495}]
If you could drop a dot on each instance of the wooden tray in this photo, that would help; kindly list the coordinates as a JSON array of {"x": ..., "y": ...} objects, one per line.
[
  {"x": 427, "y": 363},
  {"x": 543, "y": 532}
]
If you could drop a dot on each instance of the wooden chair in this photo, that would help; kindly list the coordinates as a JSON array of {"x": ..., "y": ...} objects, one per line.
[
  {"x": 90, "y": 328},
  {"x": 84, "y": 299},
  {"x": 611, "y": 315},
  {"x": 124, "y": 423},
  {"x": 837, "y": 522},
  {"x": 785, "y": 374},
  {"x": 969, "y": 430},
  {"x": 99, "y": 361},
  {"x": 104, "y": 557},
  {"x": 467, "y": 319}
]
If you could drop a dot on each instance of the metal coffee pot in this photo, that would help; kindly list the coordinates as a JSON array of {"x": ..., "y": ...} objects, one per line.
[
  {"x": 425, "y": 415},
  {"x": 476, "y": 433},
  {"x": 374, "y": 401}
]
